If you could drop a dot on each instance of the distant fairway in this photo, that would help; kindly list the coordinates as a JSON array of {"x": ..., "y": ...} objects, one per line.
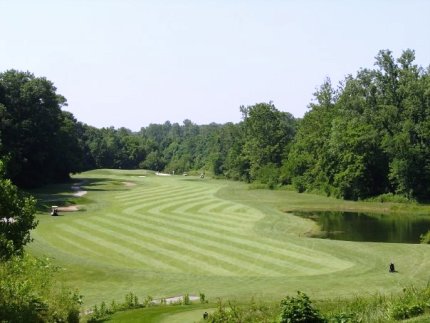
[{"x": 169, "y": 235}]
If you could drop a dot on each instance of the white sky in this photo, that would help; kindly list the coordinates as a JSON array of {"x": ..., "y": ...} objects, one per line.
[{"x": 130, "y": 63}]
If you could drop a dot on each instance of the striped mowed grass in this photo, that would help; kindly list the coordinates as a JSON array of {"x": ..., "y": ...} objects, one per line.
[{"x": 169, "y": 235}]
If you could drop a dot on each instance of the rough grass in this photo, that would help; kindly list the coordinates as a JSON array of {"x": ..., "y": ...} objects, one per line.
[{"x": 167, "y": 236}]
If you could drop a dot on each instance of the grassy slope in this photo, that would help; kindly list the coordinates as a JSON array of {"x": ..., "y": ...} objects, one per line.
[{"x": 168, "y": 236}]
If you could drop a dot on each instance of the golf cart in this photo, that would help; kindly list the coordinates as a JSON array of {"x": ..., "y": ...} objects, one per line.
[{"x": 54, "y": 210}]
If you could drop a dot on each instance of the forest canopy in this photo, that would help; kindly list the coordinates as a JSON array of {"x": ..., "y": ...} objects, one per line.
[{"x": 368, "y": 136}]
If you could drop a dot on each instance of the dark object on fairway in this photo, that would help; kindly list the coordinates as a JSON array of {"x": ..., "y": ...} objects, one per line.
[
  {"x": 205, "y": 315},
  {"x": 54, "y": 211},
  {"x": 392, "y": 269}
]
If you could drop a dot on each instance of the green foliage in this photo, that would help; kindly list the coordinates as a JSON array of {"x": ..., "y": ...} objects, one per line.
[
  {"x": 113, "y": 306},
  {"x": 268, "y": 175},
  {"x": 425, "y": 238},
  {"x": 101, "y": 312},
  {"x": 186, "y": 299},
  {"x": 16, "y": 218},
  {"x": 342, "y": 318},
  {"x": 28, "y": 293},
  {"x": 148, "y": 301},
  {"x": 41, "y": 141},
  {"x": 202, "y": 297},
  {"x": 307, "y": 159},
  {"x": 255, "y": 312},
  {"x": 131, "y": 300},
  {"x": 267, "y": 135},
  {"x": 390, "y": 197},
  {"x": 412, "y": 302},
  {"x": 403, "y": 311},
  {"x": 299, "y": 309},
  {"x": 368, "y": 138}
]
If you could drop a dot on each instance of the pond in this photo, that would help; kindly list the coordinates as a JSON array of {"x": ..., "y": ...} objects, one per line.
[{"x": 353, "y": 226}]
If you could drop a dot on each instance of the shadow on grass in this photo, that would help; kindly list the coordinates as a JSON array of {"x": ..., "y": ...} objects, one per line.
[{"x": 63, "y": 195}]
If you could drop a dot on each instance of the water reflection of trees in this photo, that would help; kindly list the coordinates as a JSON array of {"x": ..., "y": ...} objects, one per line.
[{"x": 354, "y": 226}]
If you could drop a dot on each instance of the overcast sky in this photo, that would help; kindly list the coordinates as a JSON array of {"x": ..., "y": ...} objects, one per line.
[{"x": 130, "y": 63}]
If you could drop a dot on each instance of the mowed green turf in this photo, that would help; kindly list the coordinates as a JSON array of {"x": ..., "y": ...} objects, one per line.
[{"x": 169, "y": 235}]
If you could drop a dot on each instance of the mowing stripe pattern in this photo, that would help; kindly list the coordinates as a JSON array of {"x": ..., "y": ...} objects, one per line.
[{"x": 167, "y": 225}]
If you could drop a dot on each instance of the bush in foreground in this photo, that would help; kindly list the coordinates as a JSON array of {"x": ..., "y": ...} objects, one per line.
[
  {"x": 28, "y": 293},
  {"x": 425, "y": 238},
  {"x": 16, "y": 218},
  {"x": 412, "y": 302},
  {"x": 255, "y": 312},
  {"x": 299, "y": 309}
]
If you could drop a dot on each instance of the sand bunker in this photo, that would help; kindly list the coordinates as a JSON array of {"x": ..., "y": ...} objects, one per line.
[
  {"x": 80, "y": 193},
  {"x": 128, "y": 184},
  {"x": 78, "y": 190},
  {"x": 162, "y": 174},
  {"x": 176, "y": 299}
]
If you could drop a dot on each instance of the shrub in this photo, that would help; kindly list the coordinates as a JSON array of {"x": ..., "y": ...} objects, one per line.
[
  {"x": 17, "y": 218},
  {"x": 186, "y": 299},
  {"x": 405, "y": 311},
  {"x": 268, "y": 175},
  {"x": 342, "y": 318},
  {"x": 390, "y": 197},
  {"x": 425, "y": 238},
  {"x": 28, "y": 293},
  {"x": 410, "y": 304},
  {"x": 255, "y": 313},
  {"x": 102, "y": 312},
  {"x": 299, "y": 309},
  {"x": 299, "y": 183},
  {"x": 131, "y": 300},
  {"x": 113, "y": 307},
  {"x": 202, "y": 298},
  {"x": 148, "y": 301}
]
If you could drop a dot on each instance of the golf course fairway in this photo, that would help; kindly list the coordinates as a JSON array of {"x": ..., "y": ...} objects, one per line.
[{"x": 165, "y": 236}]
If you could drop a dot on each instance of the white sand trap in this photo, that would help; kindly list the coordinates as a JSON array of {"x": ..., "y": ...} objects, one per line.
[
  {"x": 80, "y": 193},
  {"x": 78, "y": 190},
  {"x": 142, "y": 176},
  {"x": 162, "y": 174},
  {"x": 176, "y": 299}
]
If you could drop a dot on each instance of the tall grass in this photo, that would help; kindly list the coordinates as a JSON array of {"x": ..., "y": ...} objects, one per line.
[{"x": 412, "y": 302}]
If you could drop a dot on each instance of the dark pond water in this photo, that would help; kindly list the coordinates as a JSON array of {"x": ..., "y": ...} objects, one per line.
[{"x": 369, "y": 227}]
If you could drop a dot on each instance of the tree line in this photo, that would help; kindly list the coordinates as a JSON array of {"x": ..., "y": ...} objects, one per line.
[{"x": 368, "y": 136}]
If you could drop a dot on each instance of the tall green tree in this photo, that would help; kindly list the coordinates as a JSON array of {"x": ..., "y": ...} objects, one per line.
[
  {"x": 372, "y": 138},
  {"x": 306, "y": 165},
  {"x": 268, "y": 132},
  {"x": 37, "y": 137},
  {"x": 403, "y": 115}
]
